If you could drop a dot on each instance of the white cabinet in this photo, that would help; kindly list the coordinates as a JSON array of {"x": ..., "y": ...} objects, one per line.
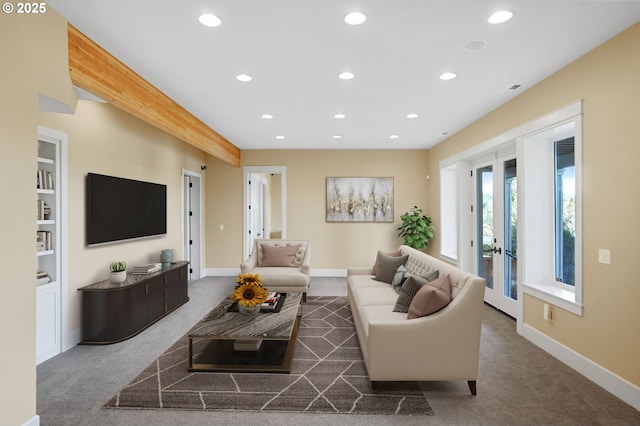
[{"x": 48, "y": 274}]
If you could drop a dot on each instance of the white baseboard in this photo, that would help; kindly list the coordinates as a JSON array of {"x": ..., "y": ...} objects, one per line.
[
  {"x": 71, "y": 339},
  {"x": 231, "y": 272},
  {"x": 620, "y": 387},
  {"x": 221, "y": 272},
  {"x": 329, "y": 273},
  {"x": 34, "y": 421}
]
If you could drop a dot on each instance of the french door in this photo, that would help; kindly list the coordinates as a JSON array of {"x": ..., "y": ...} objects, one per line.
[{"x": 496, "y": 223}]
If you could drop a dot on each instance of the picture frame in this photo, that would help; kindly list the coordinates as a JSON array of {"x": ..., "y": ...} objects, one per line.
[{"x": 359, "y": 199}]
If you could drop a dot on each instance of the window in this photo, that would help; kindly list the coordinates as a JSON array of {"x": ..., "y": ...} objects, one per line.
[
  {"x": 551, "y": 214},
  {"x": 565, "y": 210},
  {"x": 449, "y": 212}
]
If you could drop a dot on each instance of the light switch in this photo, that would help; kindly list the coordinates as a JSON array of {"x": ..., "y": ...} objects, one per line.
[
  {"x": 222, "y": 227},
  {"x": 604, "y": 256}
]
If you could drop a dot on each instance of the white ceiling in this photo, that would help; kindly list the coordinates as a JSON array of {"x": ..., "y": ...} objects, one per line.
[{"x": 295, "y": 49}]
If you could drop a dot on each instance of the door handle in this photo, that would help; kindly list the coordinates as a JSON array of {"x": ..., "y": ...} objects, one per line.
[{"x": 497, "y": 250}]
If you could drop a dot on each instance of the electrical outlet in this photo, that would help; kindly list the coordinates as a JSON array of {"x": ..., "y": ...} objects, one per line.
[
  {"x": 545, "y": 311},
  {"x": 604, "y": 256}
]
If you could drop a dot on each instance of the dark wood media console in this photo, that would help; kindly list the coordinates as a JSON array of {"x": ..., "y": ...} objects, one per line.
[{"x": 115, "y": 312}]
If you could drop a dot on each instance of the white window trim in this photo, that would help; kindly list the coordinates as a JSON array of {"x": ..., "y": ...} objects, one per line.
[{"x": 561, "y": 295}]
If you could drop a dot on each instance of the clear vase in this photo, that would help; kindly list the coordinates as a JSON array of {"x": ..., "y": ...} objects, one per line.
[{"x": 249, "y": 311}]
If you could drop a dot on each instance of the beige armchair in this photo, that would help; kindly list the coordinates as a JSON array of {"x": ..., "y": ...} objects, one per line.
[{"x": 284, "y": 265}]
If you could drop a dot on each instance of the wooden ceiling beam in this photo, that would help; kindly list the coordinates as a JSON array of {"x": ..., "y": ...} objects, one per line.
[{"x": 95, "y": 70}]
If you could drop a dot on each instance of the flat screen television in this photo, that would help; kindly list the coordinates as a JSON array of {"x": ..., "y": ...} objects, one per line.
[{"x": 121, "y": 209}]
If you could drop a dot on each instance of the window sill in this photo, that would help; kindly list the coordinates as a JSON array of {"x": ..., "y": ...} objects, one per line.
[{"x": 556, "y": 295}]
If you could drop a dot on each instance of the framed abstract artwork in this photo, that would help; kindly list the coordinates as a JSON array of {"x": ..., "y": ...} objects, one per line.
[{"x": 359, "y": 199}]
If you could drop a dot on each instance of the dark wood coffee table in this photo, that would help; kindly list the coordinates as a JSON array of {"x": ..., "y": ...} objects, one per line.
[{"x": 230, "y": 341}]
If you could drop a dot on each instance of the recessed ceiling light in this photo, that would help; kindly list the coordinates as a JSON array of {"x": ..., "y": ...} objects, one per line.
[
  {"x": 339, "y": 116},
  {"x": 475, "y": 45},
  {"x": 500, "y": 17},
  {"x": 412, "y": 115},
  {"x": 243, "y": 77},
  {"x": 267, "y": 116},
  {"x": 337, "y": 137},
  {"x": 355, "y": 18},
  {"x": 280, "y": 137},
  {"x": 209, "y": 20},
  {"x": 346, "y": 75},
  {"x": 445, "y": 133},
  {"x": 394, "y": 137},
  {"x": 448, "y": 76}
]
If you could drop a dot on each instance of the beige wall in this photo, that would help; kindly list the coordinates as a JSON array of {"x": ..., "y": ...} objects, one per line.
[
  {"x": 334, "y": 245},
  {"x": 608, "y": 80},
  {"x": 34, "y": 60},
  {"x": 105, "y": 140}
]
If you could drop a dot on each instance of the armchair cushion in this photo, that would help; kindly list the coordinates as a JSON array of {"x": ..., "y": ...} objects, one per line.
[
  {"x": 431, "y": 297},
  {"x": 279, "y": 256}
]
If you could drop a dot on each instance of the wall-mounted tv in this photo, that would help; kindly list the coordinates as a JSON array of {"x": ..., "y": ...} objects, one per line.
[{"x": 121, "y": 209}]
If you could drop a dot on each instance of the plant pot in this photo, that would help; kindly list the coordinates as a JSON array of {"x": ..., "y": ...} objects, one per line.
[
  {"x": 118, "y": 277},
  {"x": 249, "y": 311}
]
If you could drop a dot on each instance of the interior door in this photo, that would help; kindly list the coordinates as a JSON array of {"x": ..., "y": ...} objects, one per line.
[
  {"x": 496, "y": 225},
  {"x": 256, "y": 203},
  {"x": 192, "y": 230}
]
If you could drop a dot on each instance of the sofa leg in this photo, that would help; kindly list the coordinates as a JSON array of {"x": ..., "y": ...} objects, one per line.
[
  {"x": 374, "y": 385},
  {"x": 304, "y": 296},
  {"x": 472, "y": 387}
]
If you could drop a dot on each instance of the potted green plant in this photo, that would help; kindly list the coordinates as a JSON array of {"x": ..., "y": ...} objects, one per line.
[
  {"x": 416, "y": 228},
  {"x": 118, "y": 271}
]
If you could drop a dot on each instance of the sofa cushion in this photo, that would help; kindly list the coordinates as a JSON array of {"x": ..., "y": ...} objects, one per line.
[
  {"x": 431, "y": 297},
  {"x": 395, "y": 253},
  {"x": 409, "y": 290},
  {"x": 273, "y": 277},
  {"x": 402, "y": 273},
  {"x": 279, "y": 256},
  {"x": 387, "y": 266}
]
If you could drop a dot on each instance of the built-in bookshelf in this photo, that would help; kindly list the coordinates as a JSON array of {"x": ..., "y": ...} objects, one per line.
[
  {"x": 48, "y": 274},
  {"x": 46, "y": 208}
]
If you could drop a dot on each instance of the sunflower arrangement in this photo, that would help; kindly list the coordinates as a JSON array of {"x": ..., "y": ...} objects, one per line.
[{"x": 249, "y": 292}]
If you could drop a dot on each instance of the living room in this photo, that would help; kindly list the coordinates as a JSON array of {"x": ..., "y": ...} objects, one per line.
[{"x": 605, "y": 79}]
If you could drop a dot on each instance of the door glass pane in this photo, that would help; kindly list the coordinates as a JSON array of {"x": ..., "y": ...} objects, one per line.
[
  {"x": 510, "y": 230},
  {"x": 565, "y": 210},
  {"x": 484, "y": 211}
]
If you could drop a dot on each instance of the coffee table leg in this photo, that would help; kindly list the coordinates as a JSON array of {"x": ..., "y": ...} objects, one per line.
[{"x": 190, "y": 353}]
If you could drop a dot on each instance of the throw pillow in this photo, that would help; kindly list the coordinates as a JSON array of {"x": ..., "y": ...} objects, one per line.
[
  {"x": 279, "y": 256},
  {"x": 431, "y": 298},
  {"x": 402, "y": 273},
  {"x": 409, "y": 289},
  {"x": 395, "y": 253},
  {"x": 387, "y": 266}
]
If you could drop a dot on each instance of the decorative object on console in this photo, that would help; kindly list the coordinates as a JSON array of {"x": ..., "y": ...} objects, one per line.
[
  {"x": 416, "y": 228},
  {"x": 166, "y": 257},
  {"x": 359, "y": 199},
  {"x": 249, "y": 293},
  {"x": 118, "y": 271}
]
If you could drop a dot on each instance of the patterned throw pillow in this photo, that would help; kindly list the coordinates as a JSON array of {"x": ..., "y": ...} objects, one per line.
[
  {"x": 409, "y": 289},
  {"x": 402, "y": 273}
]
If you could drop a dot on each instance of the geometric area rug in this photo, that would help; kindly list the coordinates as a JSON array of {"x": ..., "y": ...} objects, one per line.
[{"x": 328, "y": 376}]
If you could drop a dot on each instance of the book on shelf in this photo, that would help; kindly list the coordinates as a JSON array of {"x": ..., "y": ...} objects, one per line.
[
  {"x": 44, "y": 211},
  {"x": 44, "y": 242},
  {"x": 44, "y": 179},
  {"x": 42, "y": 278},
  {"x": 147, "y": 268}
]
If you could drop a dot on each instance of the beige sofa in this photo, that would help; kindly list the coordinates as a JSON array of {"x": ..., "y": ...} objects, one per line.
[
  {"x": 442, "y": 346},
  {"x": 284, "y": 265}
]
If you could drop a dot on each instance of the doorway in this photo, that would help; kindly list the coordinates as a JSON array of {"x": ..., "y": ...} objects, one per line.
[
  {"x": 496, "y": 225},
  {"x": 265, "y": 204},
  {"x": 192, "y": 222}
]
